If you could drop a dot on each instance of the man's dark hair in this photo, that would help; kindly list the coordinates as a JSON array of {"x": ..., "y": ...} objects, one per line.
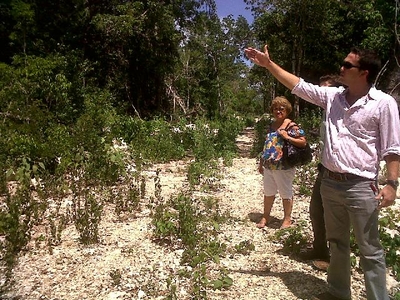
[
  {"x": 331, "y": 78},
  {"x": 368, "y": 60}
]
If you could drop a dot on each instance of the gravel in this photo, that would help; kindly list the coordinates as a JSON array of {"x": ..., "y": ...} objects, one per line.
[{"x": 128, "y": 264}]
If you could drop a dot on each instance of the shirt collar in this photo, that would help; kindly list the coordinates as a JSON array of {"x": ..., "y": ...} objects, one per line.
[{"x": 373, "y": 94}]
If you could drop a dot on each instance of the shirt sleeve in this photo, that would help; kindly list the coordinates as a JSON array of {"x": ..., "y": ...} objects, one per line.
[
  {"x": 389, "y": 128},
  {"x": 315, "y": 94}
]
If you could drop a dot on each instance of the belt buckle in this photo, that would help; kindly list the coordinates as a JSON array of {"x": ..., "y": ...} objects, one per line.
[{"x": 337, "y": 176}]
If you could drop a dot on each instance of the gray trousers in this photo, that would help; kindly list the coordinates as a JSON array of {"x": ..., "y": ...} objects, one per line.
[{"x": 352, "y": 203}]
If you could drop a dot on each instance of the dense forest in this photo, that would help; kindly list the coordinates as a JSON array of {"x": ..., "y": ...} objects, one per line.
[{"x": 77, "y": 77}]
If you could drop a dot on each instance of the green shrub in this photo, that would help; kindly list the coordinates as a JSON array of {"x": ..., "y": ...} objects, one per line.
[
  {"x": 153, "y": 140},
  {"x": 305, "y": 178},
  {"x": 190, "y": 223},
  {"x": 292, "y": 238},
  {"x": 390, "y": 239},
  {"x": 202, "y": 169},
  {"x": 88, "y": 211},
  {"x": 165, "y": 222},
  {"x": 310, "y": 120},
  {"x": 159, "y": 141},
  {"x": 21, "y": 212},
  {"x": 245, "y": 247},
  {"x": 223, "y": 282}
]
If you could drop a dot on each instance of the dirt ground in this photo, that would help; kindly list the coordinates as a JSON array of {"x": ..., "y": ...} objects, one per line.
[{"x": 142, "y": 268}]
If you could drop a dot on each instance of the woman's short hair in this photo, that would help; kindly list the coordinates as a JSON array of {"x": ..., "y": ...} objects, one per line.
[{"x": 281, "y": 101}]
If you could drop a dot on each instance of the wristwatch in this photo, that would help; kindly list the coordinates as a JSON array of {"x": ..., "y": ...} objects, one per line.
[{"x": 392, "y": 183}]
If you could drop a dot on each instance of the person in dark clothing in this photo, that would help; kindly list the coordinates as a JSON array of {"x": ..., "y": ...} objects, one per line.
[{"x": 320, "y": 251}]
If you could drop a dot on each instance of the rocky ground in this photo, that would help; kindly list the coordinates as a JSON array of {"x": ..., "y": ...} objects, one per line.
[{"x": 127, "y": 264}]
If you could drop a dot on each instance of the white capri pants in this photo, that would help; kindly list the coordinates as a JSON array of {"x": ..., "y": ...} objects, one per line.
[{"x": 279, "y": 181}]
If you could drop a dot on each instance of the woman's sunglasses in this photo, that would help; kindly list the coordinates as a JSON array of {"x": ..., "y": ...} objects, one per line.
[{"x": 348, "y": 65}]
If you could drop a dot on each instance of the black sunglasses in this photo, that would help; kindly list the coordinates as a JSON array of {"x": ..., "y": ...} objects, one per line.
[{"x": 348, "y": 65}]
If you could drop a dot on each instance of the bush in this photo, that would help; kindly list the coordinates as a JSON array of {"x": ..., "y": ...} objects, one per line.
[
  {"x": 310, "y": 120},
  {"x": 292, "y": 238},
  {"x": 390, "y": 239}
]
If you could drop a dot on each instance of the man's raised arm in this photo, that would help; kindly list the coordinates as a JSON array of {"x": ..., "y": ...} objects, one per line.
[{"x": 262, "y": 59}]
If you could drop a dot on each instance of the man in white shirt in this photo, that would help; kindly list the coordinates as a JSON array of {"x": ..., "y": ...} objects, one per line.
[{"x": 362, "y": 127}]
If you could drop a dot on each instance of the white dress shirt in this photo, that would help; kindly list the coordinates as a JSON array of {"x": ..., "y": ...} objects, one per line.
[{"x": 357, "y": 137}]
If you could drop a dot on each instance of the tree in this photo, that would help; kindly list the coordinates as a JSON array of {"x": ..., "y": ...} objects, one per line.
[
  {"x": 212, "y": 64},
  {"x": 310, "y": 47}
]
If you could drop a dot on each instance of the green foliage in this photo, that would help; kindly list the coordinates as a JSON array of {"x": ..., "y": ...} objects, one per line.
[
  {"x": 390, "y": 239},
  {"x": 187, "y": 216},
  {"x": 355, "y": 251},
  {"x": 44, "y": 134},
  {"x": 396, "y": 296},
  {"x": 306, "y": 176},
  {"x": 210, "y": 76},
  {"x": 245, "y": 247},
  {"x": 116, "y": 277},
  {"x": 310, "y": 120},
  {"x": 177, "y": 218},
  {"x": 190, "y": 223},
  {"x": 215, "y": 139},
  {"x": 223, "y": 282},
  {"x": 16, "y": 221},
  {"x": 200, "y": 283},
  {"x": 131, "y": 186},
  {"x": 292, "y": 238},
  {"x": 310, "y": 47},
  {"x": 92, "y": 143},
  {"x": 199, "y": 170},
  {"x": 159, "y": 141},
  {"x": 40, "y": 86},
  {"x": 56, "y": 228},
  {"x": 154, "y": 140},
  {"x": 135, "y": 46},
  {"x": 165, "y": 222},
  {"x": 87, "y": 216},
  {"x": 128, "y": 202},
  {"x": 172, "y": 290}
]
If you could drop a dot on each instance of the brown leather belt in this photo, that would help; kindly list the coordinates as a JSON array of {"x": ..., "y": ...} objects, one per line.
[{"x": 342, "y": 176}]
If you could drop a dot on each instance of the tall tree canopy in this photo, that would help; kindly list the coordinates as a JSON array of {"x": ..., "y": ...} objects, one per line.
[
  {"x": 309, "y": 38},
  {"x": 170, "y": 57}
]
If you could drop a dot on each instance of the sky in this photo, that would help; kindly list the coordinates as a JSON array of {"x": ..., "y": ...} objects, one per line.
[{"x": 233, "y": 7}]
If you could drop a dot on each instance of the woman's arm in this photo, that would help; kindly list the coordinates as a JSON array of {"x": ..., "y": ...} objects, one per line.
[
  {"x": 298, "y": 141},
  {"x": 260, "y": 166}
]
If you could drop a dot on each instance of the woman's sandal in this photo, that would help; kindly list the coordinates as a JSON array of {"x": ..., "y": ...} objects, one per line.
[{"x": 262, "y": 223}]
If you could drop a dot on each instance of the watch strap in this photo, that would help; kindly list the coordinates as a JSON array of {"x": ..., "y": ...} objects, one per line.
[{"x": 393, "y": 183}]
